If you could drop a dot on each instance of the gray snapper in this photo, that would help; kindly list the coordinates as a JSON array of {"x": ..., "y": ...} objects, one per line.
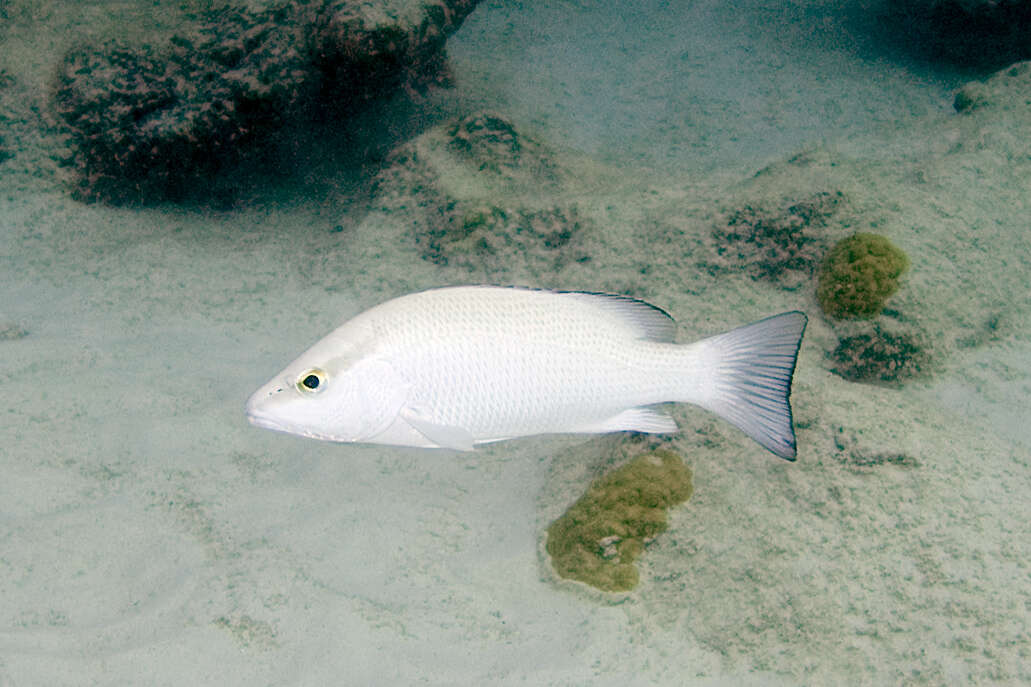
[{"x": 459, "y": 366}]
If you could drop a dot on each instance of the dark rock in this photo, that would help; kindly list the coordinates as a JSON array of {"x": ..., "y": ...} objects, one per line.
[
  {"x": 976, "y": 33},
  {"x": 364, "y": 53},
  {"x": 151, "y": 124}
]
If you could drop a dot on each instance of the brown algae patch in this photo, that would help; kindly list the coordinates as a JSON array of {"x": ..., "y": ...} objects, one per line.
[
  {"x": 859, "y": 275},
  {"x": 598, "y": 539}
]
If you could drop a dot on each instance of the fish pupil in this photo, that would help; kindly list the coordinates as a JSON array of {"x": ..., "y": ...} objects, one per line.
[{"x": 311, "y": 381}]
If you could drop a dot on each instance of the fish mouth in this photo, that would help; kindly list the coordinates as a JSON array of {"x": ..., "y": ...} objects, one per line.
[{"x": 261, "y": 419}]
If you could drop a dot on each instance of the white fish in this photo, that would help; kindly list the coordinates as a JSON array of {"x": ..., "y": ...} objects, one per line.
[{"x": 466, "y": 365}]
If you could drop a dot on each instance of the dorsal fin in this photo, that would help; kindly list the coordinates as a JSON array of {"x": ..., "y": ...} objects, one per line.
[{"x": 646, "y": 320}]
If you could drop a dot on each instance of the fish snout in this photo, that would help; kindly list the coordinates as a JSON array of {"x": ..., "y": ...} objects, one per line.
[{"x": 258, "y": 409}]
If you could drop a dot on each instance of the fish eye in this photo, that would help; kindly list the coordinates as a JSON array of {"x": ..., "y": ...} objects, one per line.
[{"x": 311, "y": 381}]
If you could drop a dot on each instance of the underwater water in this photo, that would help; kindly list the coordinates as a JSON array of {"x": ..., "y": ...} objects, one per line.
[{"x": 698, "y": 157}]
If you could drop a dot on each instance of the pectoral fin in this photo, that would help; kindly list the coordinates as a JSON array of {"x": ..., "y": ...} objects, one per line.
[{"x": 444, "y": 436}]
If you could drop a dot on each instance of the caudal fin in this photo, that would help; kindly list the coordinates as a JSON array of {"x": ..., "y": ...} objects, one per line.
[{"x": 751, "y": 370}]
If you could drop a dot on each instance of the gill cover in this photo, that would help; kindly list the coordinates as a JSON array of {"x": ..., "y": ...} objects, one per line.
[{"x": 364, "y": 400}]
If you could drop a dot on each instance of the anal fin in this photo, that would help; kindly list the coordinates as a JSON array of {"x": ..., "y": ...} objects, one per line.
[{"x": 639, "y": 419}]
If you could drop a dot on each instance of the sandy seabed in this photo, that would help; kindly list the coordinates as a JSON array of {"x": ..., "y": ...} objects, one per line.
[{"x": 148, "y": 535}]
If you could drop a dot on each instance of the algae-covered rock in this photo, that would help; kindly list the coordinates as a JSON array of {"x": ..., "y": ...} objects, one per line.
[
  {"x": 597, "y": 540},
  {"x": 479, "y": 195},
  {"x": 776, "y": 244},
  {"x": 880, "y": 356},
  {"x": 487, "y": 236},
  {"x": 147, "y": 123},
  {"x": 1005, "y": 90},
  {"x": 859, "y": 275},
  {"x": 492, "y": 144},
  {"x": 156, "y": 123}
]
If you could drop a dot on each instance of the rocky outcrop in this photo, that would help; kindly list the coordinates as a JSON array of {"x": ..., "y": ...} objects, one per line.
[
  {"x": 480, "y": 196},
  {"x": 153, "y": 123},
  {"x": 361, "y": 52}
]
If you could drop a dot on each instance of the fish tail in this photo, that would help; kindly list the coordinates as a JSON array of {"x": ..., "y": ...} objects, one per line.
[{"x": 749, "y": 373}]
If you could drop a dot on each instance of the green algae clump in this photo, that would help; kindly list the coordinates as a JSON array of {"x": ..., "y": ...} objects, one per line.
[
  {"x": 859, "y": 275},
  {"x": 597, "y": 540}
]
